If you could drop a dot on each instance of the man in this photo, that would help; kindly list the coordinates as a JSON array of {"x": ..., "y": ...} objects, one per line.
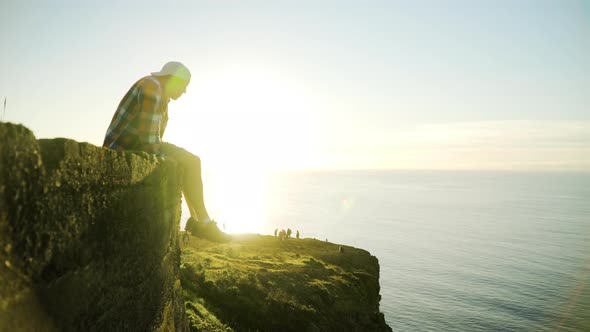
[{"x": 139, "y": 124}]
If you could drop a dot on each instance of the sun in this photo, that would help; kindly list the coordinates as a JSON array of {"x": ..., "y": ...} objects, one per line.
[{"x": 244, "y": 124}]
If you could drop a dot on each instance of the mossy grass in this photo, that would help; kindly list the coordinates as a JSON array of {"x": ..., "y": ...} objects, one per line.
[{"x": 262, "y": 283}]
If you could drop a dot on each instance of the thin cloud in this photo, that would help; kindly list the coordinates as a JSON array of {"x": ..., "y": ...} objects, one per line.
[{"x": 496, "y": 145}]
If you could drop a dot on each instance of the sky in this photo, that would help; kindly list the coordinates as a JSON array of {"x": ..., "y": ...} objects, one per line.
[{"x": 461, "y": 85}]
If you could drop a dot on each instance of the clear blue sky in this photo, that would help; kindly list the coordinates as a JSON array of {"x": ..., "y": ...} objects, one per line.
[{"x": 317, "y": 84}]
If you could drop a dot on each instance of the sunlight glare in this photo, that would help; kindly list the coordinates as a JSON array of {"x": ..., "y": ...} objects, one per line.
[{"x": 243, "y": 124}]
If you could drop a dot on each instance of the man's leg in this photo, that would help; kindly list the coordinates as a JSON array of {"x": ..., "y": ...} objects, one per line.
[
  {"x": 201, "y": 224},
  {"x": 192, "y": 186}
]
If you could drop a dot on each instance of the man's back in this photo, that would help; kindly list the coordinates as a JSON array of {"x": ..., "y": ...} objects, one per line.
[{"x": 140, "y": 119}]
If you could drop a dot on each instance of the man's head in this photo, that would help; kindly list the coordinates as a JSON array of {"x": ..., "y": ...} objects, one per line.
[{"x": 175, "y": 78}]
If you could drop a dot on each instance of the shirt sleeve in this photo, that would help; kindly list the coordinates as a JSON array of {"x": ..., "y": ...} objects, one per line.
[
  {"x": 149, "y": 119},
  {"x": 163, "y": 123}
]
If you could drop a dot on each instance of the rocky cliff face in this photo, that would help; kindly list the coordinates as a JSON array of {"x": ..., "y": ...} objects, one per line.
[{"x": 88, "y": 237}]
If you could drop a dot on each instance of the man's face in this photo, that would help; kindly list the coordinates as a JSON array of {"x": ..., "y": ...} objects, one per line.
[{"x": 176, "y": 87}]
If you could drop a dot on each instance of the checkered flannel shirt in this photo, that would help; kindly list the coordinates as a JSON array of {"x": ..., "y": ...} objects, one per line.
[{"x": 140, "y": 119}]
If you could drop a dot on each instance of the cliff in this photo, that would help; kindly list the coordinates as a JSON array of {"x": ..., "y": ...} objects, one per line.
[
  {"x": 89, "y": 242},
  {"x": 88, "y": 237},
  {"x": 260, "y": 283}
]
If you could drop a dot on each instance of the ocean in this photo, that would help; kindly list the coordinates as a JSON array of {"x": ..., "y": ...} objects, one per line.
[{"x": 458, "y": 251}]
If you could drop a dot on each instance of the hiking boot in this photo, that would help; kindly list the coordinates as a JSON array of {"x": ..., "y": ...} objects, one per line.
[{"x": 206, "y": 230}]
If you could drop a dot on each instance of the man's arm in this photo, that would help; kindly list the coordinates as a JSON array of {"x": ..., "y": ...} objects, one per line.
[
  {"x": 149, "y": 118},
  {"x": 164, "y": 122}
]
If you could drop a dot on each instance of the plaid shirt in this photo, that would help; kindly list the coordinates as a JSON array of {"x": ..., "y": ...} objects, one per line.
[{"x": 140, "y": 119}]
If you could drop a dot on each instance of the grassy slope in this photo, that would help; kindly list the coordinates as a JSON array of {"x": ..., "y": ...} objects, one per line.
[{"x": 260, "y": 283}]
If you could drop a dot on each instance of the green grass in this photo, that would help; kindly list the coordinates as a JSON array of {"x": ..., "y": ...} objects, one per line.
[{"x": 259, "y": 283}]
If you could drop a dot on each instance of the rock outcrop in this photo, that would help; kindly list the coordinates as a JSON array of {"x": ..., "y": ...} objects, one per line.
[{"x": 88, "y": 237}]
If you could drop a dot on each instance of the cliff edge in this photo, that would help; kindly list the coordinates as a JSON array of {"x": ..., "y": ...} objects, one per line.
[{"x": 262, "y": 283}]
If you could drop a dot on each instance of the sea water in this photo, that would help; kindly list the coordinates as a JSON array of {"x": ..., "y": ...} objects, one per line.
[{"x": 458, "y": 251}]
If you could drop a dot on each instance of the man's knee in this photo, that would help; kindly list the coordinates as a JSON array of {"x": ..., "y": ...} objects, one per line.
[
  {"x": 191, "y": 165},
  {"x": 182, "y": 156},
  {"x": 193, "y": 161}
]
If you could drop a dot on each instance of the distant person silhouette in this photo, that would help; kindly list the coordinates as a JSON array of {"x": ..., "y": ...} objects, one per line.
[
  {"x": 297, "y": 234},
  {"x": 276, "y": 230},
  {"x": 139, "y": 124},
  {"x": 288, "y": 233}
]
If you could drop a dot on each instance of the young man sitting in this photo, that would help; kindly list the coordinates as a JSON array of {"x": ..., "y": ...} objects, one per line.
[{"x": 139, "y": 124}]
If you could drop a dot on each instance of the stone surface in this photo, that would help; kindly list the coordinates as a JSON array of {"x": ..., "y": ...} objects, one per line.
[{"x": 88, "y": 237}]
